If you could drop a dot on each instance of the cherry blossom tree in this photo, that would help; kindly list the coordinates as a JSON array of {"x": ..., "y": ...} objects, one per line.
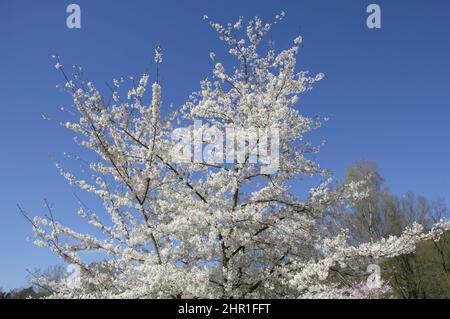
[{"x": 207, "y": 229}]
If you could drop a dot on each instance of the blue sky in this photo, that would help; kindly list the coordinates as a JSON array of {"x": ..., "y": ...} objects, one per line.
[{"x": 386, "y": 91}]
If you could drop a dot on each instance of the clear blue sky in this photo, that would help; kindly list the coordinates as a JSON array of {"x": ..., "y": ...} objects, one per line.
[{"x": 386, "y": 91}]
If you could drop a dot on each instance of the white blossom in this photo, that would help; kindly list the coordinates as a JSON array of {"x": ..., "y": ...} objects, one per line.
[
  {"x": 194, "y": 230},
  {"x": 158, "y": 55}
]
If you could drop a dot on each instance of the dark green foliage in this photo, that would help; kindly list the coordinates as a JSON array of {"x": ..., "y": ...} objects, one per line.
[{"x": 24, "y": 293}]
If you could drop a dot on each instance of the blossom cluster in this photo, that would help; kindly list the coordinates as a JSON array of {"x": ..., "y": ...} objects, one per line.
[{"x": 174, "y": 229}]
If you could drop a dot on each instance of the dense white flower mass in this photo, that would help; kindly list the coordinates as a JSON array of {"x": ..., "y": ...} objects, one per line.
[{"x": 197, "y": 230}]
